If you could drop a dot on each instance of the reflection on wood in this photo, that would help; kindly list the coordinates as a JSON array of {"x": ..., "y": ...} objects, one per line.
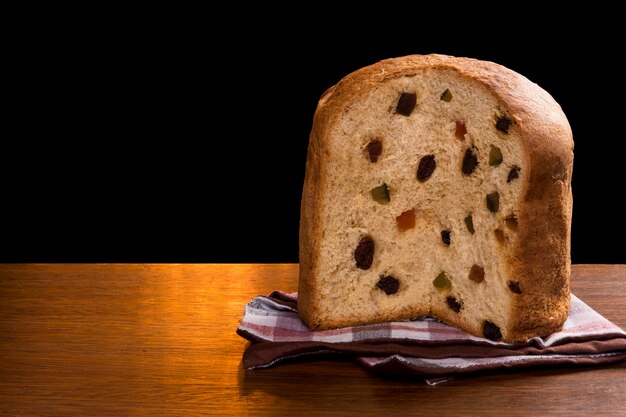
[{"x": 160, "y": 340}]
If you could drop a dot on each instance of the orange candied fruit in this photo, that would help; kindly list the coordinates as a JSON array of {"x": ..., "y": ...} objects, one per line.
[
  {"x": 406, "y": 220},
  {"x": 460, "y": 130}
]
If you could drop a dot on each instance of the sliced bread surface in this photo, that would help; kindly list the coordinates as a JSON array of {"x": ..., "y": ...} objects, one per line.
[{"x": 437, "y": 186}]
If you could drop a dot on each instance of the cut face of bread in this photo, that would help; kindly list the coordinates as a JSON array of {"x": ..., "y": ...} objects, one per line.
[{"x": 437, "y": 186}]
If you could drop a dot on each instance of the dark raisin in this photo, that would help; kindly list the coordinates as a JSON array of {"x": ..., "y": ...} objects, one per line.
[
  {"x": 491, "y": 331},
  {"x": 469, "y": 223},
  {"x": 445, "y": 237},
  {"x": 513, "y": 173},
  {"x": 470, "y": 162},
  {"x": 388, "y": 284},
  {"x": 503, "y": 124},
  {"x": 514, "y": 286},
  {"x": 493, "y": 202},
  {"x": 374, "y": 150},
  {"x": 426, "y": 167},
  {"x": 364, "y": 253},
  {"x": 454, "y": 304},
  {"x": 446, "y": 96},
  {"x": 406, "y": 104},
  {"x": 477, "y": 274}
]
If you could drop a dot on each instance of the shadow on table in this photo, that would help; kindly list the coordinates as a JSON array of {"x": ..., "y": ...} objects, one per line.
[{"x": 332, "y": 375}]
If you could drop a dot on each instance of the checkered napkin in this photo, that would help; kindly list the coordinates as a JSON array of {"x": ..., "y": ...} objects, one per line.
[{"x": 423, "y": 347}]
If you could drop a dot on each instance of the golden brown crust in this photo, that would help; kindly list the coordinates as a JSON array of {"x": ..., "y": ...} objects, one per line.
[
  {"x": 541, "y": 259},
  {"x": 310, "y": 226}
]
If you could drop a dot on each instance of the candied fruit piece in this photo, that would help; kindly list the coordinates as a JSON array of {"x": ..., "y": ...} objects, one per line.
[
  {"x": 406, "y": 104},
  {"x": 503, "y": 124},
  {"x": 454, "y": 304},
  {"x": 469, "y": 223},
  {"x": 470, "y": 162},
  {"x": 493, "y": 202},
  {"x": 374, "y": 150},
  {"x": 477, "y": 274},
  {"x": 513, "y": 173},
  {"x": 442, "y": 282},
  {"x": 380, "y": 194},
  {"x": 500, "y": 236},
  {"x": 491, "y": 331},
  {"x": 514, "y": 286},
  {"x": 426, "y": 167},
  {"x": 406, "y": 220},
  {"x": 460, "y": 130},
  {"x": 364, "y": 253},
  {"x": 495, "y": 156},
  {"x": 446, "y": 96},
  {"x": 445, "y": 237},
  {"x": 511, "y": 222},
  {"x": 388, "y": 284}
]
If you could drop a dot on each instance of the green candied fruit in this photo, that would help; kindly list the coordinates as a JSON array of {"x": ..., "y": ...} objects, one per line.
[
  {"x": 442, "y": 282},
  {"x": 380, "y": 194},
  {"x": 469, "y": 222},
  {"x": 446, "y": 96},
  {"x": 493, "y": 202},
  {"x": 495, "y": 156}
]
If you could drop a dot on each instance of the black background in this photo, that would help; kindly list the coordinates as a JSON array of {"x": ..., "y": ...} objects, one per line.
[{"x": 174, "y": 141}]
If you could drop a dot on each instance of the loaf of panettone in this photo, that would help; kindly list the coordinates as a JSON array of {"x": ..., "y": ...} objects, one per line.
[{"x": 437, "y": 186}]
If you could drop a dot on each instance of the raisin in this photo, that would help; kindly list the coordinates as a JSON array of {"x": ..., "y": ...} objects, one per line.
[
  {"x": 406, "y": 104},
  {"x": 495, "y": 156},
  {"x": 442, "y": 282},
  {"x": 388, "y": 284},
  {"x": 446, "y": 96},
  {"x": 491, "y": 331},
  {"x": 374, "y": 150},
  {"x": 364, "y": 253},
  {"x": 477, "y": 274},
  {"x": 469, "y": 223},
  {"x": 380, "y": 194},
  {"x": 406, "y": 220},
  {"x": 445, "y": 237},
  {"x": 493, "y": 202},
  {"x": 426, "y": 167},
  {"x": 500, "y": 236},
  {"x": 470, "y": 161},
  {"x": 460, "y": 130},
  {"x": 514, "y": 286},
  {"x": 503, "y": 124},
  {"x": 513, "y": 173},
  {"x": 454, "y": 304},
  {"x": 511, "y": 222}
]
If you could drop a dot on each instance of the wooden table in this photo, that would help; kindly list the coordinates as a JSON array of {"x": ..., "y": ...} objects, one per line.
[{"x": 159, "y": 340}]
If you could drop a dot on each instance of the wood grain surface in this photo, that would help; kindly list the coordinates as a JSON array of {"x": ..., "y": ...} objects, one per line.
[{"x": 159, "y": 340}]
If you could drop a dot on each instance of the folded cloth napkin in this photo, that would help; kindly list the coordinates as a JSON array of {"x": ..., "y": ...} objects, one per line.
[{"x": 423, "y": 347}]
